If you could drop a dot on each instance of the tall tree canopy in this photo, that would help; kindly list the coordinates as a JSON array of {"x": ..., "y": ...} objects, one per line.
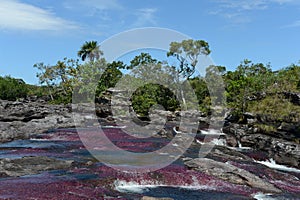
[
  {"x": 90, "y": 50},
  {"x": 187, "y": 53}
]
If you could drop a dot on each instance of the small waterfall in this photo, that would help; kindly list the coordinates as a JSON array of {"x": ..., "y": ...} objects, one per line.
[
  {"x": 215, "y": 141},
  {"x": 144, "y": 186},
  {"x": 218, "y": 141},
  {"x": 114, "y": 127},
  {"x": 240, "y": 147},
  {"x": 132, "y": 186},
  {"x": 211, "y": 132},
  {"x": 272, "y": 164},
  {"x": 212, "y": 136},
  {"x": 262, "y": 196},
  {"x": 239, "y": 144}
]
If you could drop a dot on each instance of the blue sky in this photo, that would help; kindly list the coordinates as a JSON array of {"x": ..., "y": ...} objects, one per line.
[{"x": 33, "y": 31}]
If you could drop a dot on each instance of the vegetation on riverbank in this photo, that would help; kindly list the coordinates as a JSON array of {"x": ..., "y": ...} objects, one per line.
[{"x": 252, "y": 87}]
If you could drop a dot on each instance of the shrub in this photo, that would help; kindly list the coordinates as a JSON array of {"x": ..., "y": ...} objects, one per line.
[{"x": 12, "y": 89}]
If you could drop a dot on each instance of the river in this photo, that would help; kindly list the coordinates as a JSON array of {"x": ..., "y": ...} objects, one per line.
[{"x": 89, "y": 178}]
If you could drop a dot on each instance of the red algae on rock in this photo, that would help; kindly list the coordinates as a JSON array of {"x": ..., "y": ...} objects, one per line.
[
  {"x": 45, "y": 186},
  {"x": 89, "y": 178}
]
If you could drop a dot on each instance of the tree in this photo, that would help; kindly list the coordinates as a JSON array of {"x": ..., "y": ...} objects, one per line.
[
  {"x": 46, "y": 75},
  {"x": 151, "y": 82},
  {"x": 151, "y": 94},
  {"x": 59, "y": 79},
  {"x": 142, "y": 59},
  {"x": 110, "y": 76},
  {"x": 187, "y": 53},
  {"x": 87, "y": 79},
  {"x": 246, "y": 82},
  {"x": 149, "y": 69},
  {"x": 90, "y": 50}
]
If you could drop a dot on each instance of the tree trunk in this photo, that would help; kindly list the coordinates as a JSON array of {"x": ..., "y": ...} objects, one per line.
[
  {"x": 50, "y": 92},
  {"x": 183, "y": 99}
]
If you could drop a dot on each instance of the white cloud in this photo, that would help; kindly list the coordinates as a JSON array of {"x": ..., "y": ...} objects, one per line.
[
  {"x": 294, "y": 24},
  {"x": 284, "y": 1},
  {"x": 244, "y": 4},
  {"x": 102, "y": 4},
  {"x": 21, "y": 16},
  {"x": 237, "y": 11},
  {"x": 145, "y": 16},
  {"x": 92, "y": 5},
  {"x": 100, "y": 9}
]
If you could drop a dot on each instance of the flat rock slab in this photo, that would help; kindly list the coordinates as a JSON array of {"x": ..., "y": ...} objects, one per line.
[
  {"x": 230, "y": 173},
  {"x": 31, "y": 165}
]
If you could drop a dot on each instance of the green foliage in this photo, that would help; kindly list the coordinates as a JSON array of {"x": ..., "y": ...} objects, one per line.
[
  {"x": 93, "y": 78},
  {"x": 142, "y": 59},
  {"x": 210, "y": 89},
  {"x": 266, "y": 128},
  {"x": 276, "y": 108},
  {"x": 39, "y": 91},
  {"x": 288, "y": 79},
  {"x": 87, "y": 78},
  {"x": 187, "y": 53},
  {"x": 153, "y": 83},
  {"x": 251, "y": 87},
  {"x": 248, "y": 80},
  {"x": 12, "y": 89},
  {"x": 59, "y": 79},
  {"x": 90, "y": 50},
  {"x": 110, "y": 76},
  {"x": 215, "y": 83},
  {"x": 46, "y": 76},
  {"x": 200, "y": 87},
  {"x": 129, "y": 83},
  {"x": 153, "y": 94}
]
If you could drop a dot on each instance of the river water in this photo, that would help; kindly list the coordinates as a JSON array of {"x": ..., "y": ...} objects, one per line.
[{"x": 88, "y": 178}]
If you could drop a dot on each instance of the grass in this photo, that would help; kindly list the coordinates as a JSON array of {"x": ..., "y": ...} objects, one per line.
[
  {"x": 276, "y": 108},
  {"x": 266, "y": 128}
]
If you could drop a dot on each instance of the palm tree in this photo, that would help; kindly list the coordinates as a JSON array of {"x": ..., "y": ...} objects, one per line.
[{"x": 90, "y": 50}]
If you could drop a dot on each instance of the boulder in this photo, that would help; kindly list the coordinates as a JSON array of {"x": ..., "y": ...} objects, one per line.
[{"x": 294, "y": 97}]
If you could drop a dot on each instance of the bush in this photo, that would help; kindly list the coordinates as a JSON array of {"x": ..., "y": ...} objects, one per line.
[
  {"x": 12, "y": 89},
  {"x": 153, "y": 94}
]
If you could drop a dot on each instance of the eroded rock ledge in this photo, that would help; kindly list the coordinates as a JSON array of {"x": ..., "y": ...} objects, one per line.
[{"x": 19, "y": 120}]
